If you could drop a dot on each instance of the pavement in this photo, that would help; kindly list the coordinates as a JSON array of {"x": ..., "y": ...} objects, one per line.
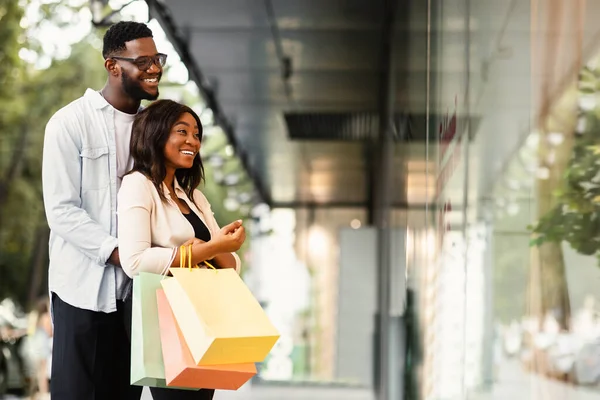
[
  {"x": 272, "y": 392},
  {"x": 513, "y": 384}
]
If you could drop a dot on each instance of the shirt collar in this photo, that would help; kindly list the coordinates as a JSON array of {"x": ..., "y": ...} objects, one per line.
[
  {"x": 178, "y": 188},
  {"x": 96, "y": 99}
]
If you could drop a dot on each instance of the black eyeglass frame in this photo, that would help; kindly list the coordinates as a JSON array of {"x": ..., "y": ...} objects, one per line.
[{"x": 145, "y": 62}]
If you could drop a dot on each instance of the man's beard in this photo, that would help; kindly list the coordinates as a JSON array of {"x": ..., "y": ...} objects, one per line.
[{"x": 134, "y": 89}]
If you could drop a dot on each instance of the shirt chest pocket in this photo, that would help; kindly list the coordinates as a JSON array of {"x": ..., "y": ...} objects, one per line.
[{"x": 95, "y": 168}]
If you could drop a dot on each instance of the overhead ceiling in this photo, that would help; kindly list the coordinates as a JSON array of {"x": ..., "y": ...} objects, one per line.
[
  {"x": 241, "y": 47},
  {"x": 299, "y": 84}
]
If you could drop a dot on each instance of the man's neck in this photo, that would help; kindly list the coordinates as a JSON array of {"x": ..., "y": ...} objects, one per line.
[{"x": 119, "y": 100}]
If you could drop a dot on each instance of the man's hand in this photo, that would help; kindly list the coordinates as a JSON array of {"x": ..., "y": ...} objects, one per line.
[{"x": 114, "y": 258}]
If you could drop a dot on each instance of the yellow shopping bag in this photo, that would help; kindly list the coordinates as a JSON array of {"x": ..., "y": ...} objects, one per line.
[
  {"x": 220, "y": 319},
  {"x": 180, "y": 368}
]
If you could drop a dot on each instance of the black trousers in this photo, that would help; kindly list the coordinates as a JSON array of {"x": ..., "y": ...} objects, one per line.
[{"x": 91, "y": 357}]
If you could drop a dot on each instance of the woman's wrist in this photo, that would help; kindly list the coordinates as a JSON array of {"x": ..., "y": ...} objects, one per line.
[
  {"x": 204, "y": 251},
  {"x": 225, "y": 260}
]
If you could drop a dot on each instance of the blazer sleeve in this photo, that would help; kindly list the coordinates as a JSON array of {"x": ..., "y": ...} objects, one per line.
[{"x": 134, "y": 227}]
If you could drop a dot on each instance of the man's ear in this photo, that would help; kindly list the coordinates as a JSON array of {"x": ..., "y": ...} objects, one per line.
[{"x": 112, "y": 67}]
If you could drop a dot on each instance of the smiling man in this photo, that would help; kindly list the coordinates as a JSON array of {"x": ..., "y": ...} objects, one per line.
[{"x": 86, "y": 154}]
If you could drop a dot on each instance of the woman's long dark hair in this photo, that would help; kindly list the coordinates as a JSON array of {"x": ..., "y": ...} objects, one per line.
[{"x": 150, "y": 132}]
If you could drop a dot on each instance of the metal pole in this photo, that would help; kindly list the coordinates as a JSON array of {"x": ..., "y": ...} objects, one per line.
[
  {"x": 383, "y": 202},
  {"x": 465, "y": 217}
]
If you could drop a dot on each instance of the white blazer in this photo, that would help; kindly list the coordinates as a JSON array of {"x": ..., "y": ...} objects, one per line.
[{"x": 150, "y": 230}]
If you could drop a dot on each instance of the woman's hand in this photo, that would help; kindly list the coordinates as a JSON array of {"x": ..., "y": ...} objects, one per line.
[
  {"x": 227, "y": 240},
  {"x": 230, "y": 238}
]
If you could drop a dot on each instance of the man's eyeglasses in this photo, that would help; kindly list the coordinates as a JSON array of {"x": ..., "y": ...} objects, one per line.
[{"x": 145, "y": 62}]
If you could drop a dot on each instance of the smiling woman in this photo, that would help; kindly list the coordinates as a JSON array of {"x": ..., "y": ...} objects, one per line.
[
  {"x": 157, "y": 145},
  {"x": 165, "y": 146},
  {"x": 184, "y": 142},
  {"x": 160, "y": 208}
]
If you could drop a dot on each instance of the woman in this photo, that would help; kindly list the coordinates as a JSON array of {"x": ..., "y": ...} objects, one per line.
[{"x": 160, "y": 209}]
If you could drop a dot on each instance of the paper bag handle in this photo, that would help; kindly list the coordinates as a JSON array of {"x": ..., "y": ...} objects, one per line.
[{"x": 182, "y": 258}]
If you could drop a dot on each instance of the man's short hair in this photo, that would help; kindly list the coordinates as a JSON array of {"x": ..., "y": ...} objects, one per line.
[{"x": 120, "y": 33}]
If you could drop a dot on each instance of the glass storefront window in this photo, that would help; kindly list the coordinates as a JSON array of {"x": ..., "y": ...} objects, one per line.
[{"x": 505, "y": 262}]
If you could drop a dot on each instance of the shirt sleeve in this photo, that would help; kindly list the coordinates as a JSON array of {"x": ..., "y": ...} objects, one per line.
[
  {"x": 135, "y": 248},
  {"x": 61, "y": 187},
  {"x": 212, "y": 223}
]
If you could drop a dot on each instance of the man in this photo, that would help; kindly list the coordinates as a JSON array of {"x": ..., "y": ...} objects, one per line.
[{"x": 86, "y": 154}]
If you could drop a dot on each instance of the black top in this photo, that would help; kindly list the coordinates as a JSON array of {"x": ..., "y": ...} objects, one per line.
[{"x": 200, "y": 230}]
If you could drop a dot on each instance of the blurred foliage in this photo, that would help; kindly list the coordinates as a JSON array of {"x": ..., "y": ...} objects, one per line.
[
  {"x": 575, "y": 218},
  {"x": 11, "y": 74},
  {"x": 13, "y": 235},
  {"x": 31, "y": 97},
  {"x": 28, "y": 98}
]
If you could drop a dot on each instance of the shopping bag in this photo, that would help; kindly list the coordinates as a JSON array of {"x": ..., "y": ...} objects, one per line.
[
  {"x": 220, "y": 319},
  {"x": 180, "y": 368},
  {"x": 147, "y": 368}
]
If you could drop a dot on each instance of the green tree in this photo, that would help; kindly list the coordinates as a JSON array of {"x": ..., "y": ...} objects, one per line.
[
  {"x": 11, "y": 129},
  {"x": 569, "y": 200},
  {"x": 24, "y": 232},
  {"x": 575, "y": 214},
  {"x": 11, "y": 74}
]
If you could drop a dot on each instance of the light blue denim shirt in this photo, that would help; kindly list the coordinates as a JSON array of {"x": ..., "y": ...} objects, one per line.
[{"x": 79, "y": 179}]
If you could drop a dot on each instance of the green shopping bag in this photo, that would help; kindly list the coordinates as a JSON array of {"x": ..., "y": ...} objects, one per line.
[{"x": 147, "y": 367}]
